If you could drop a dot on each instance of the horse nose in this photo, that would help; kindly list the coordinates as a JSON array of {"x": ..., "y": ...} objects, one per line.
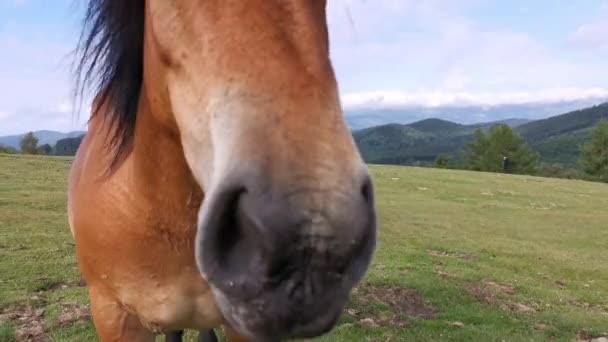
[
  {"x": 304, "y": 249},
  {"x": 246, "y": 227}
]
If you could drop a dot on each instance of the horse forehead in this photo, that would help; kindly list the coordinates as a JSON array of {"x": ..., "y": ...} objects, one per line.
[{"x": 236, "y": 14}]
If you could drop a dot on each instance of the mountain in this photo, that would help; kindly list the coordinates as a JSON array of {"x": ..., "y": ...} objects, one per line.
[
  {"x": 510, "y": 122},
  {"x": 358, "y": 119},
  {"x": 406, "y": 144},
  {"x": 44, "y": 137},
  {"x": 436, "y": 126},
  {"x": 572, "y": 122},
  {"x": 557, "y": 139}
]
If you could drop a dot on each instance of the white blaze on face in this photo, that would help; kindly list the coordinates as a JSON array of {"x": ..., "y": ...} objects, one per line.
[{"x": 213, "y": 127}]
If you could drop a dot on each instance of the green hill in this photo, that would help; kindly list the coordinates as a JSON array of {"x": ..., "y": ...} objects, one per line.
[
  {"x": 556, "y": 139},
  {"x": 436, "y": 126},
  {"x": 572, "y": 122}
]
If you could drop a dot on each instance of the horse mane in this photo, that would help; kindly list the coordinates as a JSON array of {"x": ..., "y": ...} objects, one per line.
[{"x": 110, "y": 62}]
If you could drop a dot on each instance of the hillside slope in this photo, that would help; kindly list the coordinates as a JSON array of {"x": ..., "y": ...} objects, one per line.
[
  {"x": 557, "y": 139},
  {"x": 360, "y": 118}
]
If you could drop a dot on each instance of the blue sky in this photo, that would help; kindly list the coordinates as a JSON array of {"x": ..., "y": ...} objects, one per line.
[{"x": 385, "y": 52}]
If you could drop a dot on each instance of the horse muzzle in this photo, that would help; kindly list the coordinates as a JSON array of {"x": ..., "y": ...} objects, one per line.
[{"x": 282, "y": 265}]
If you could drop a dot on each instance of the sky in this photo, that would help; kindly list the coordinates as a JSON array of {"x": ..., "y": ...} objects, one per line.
[{"x": 386, "y": 53}]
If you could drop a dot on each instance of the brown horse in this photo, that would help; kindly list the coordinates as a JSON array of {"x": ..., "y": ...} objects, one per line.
[{"x": 218, "y": 184}]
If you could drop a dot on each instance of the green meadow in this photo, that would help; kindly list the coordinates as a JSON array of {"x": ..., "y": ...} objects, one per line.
[{"x": 462, "y": 256}]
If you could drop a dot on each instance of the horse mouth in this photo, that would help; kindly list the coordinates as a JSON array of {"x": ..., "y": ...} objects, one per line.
[{"x": 293, "y": 308}]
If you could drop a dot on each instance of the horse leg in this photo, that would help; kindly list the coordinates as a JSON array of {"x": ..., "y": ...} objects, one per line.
[
  {"x": 174, "y": 336},
  {"x": 207, "y": 336},
  {"x": 113, "y": 323},
  {"x": 233, "y": 336},
  {"x": 82, "y": 282}
]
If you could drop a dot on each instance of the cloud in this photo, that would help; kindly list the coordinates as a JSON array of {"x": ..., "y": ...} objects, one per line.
[
  {"x": 593, "y": 35},
  {"x": 34, "y": 119},
  {"x": 35, "y": 82},
  {"x": 64, "y": 107},
  {"x": 385, "y": 53},
  {"x": 439, "y": 46},
  {"x": 392, "y": 99}
]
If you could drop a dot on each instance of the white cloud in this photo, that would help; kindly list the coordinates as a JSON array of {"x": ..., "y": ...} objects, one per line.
[
  {"x": 64, "y": 107},
  {"x": 385, "y": 52},
  {"x": 593, "y": 35},
  {"x": 39, "y": 119},
  {"x": 443, "y": 98},
  {"x": 34, "y": 83},
  {"x": 437, "y": 46}
]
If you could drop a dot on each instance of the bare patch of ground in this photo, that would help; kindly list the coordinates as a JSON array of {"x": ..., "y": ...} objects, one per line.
[
  {"x": 442, "y": 273},
  {"x": 73, "y": 313},
  {"x": 585, "y": 336},
  {"x": 402, "y": 302},
  {"x": 446, "y": 254},
  {"x": 497, "y": 294},
  {"x": 48, "y": 285},
  {"x": 29, "y": 323},
  {"x": 602, "y": 309}
]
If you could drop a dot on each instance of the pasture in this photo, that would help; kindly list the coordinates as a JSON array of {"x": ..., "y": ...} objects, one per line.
[{"x": 462, "y": 256}]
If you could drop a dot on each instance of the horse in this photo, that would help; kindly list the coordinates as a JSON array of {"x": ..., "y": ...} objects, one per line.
[{"x": 218, "y": 185}]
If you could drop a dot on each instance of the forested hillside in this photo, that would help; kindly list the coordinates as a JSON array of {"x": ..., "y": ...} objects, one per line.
[{"x": 556, "y": 139}]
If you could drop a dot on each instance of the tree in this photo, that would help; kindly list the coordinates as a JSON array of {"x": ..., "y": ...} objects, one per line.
[
  {"x": 45, "y": 150},
  {"x": 488, "y": 151},
  {"x": 7, "y": 149},
  {"x": 475, "y": 153},
  {"x": 29, "y": 144},
  {"x": 68, "y": 146},
  {"x": 442, "y": 161},
  {"x": 594, "y": 155}
]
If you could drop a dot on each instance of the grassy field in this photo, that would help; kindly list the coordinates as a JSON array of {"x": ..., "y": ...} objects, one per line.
[{"x": 462, "y": 256}]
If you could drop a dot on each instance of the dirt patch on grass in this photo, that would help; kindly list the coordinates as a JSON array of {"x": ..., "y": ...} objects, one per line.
[
  {"x": 498, "y": 294},
  {"x": 72, "y": 314},
  {"x": 49, "y": 285},
  {"x": 598, "y": 308},
  {"x": 29, "y": 323},
  {"x": 501, "y": 287},
  {"x": 585, "y": 336},
  {"x": 401, "y": 303},
  {"x": 446, "y": 254}
]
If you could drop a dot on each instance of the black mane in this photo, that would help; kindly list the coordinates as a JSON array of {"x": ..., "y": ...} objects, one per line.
[{"x": 110, "y": 61}]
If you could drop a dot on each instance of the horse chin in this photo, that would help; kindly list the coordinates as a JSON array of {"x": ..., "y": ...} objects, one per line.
[{"x": 272, "y": 316}]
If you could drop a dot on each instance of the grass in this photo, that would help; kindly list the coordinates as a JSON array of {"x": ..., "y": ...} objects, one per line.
[{"x": 462, "y": 256}]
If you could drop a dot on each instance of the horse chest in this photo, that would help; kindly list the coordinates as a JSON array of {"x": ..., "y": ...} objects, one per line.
[
  {"x": 149, "y": 266},
  {"x": 180, "y": 301}
]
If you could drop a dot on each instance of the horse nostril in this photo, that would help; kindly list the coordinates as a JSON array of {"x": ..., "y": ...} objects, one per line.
[
  {"x": 223, "y": 238},
  {"x": 367, "y": 190},
  {"x": 229, "y": 235}
]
